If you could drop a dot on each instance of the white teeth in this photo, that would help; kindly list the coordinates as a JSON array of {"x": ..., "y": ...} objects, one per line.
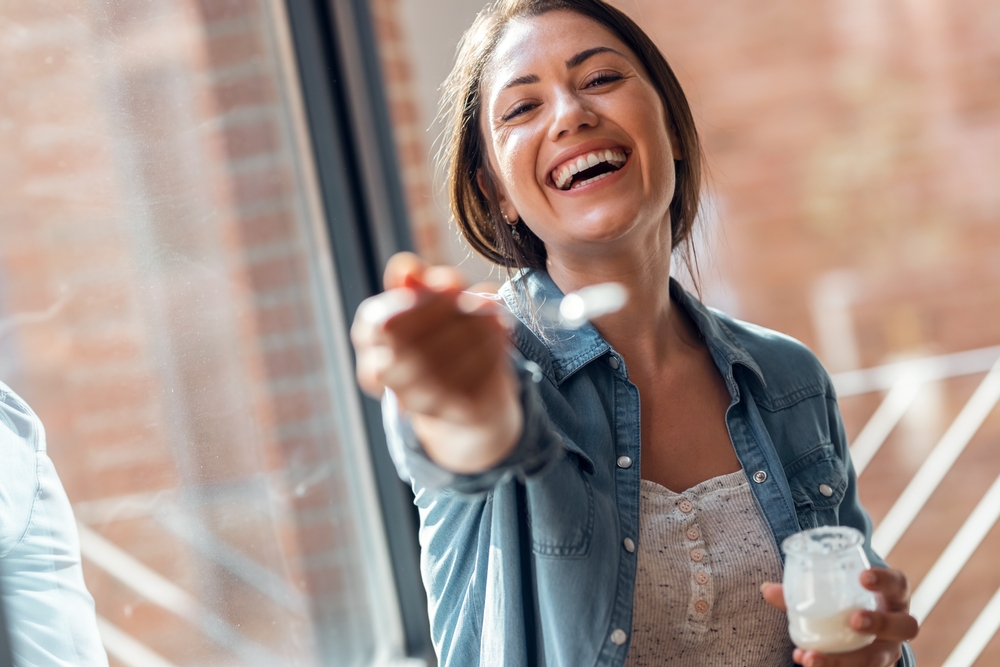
[
  {"x": 591, "y": 180},
  {"x": 564, "y": 178}
]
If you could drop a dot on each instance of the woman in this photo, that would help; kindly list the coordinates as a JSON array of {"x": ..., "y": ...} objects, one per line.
[{"x": 563, "y": 521}]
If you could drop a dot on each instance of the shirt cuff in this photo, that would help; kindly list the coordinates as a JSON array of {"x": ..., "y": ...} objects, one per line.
[{"x": 538, "y": 446}]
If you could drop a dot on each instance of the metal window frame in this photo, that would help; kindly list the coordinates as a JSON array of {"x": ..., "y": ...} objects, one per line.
[{"x": 366, "y": 217}]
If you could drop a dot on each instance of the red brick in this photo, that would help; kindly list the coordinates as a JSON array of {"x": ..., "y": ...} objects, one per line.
[
  {"x": 229, "y": 49},
  {"x": 225, "y": 10},
  {"x": 253, "y": 91},
  {"x": 275, "y": 274},
  {"x": 244, "y": 141},
  {"x": 253, "y": 186},
  {"x": 292, "y": 361}
]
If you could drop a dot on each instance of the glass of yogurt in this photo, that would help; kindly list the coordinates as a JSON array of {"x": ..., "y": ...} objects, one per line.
[{"x": 823, "y": 588}]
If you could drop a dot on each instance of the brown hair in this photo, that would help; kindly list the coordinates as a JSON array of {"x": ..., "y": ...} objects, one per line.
[{"x": 462, "y": 153}]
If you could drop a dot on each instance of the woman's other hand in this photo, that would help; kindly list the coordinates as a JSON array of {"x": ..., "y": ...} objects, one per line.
[
  {"x": 443, "y": 352},
  {"x": 891, "y": 623}
]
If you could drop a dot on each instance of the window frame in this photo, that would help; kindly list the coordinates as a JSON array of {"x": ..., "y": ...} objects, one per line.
[{"x": 362, "y": 203}]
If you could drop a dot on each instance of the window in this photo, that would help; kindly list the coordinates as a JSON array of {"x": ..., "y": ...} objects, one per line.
[{"x": 176, "y": 274}]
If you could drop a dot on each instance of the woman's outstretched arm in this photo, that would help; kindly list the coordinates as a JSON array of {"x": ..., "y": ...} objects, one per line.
[{"x": 444, "y": 354}]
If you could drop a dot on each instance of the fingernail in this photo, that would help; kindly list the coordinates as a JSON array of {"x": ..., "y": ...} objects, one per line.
[
  {"x": 869, "y": 578},
  {"x": 864, "y": 622},
  {"x": 763, "y": 586}
]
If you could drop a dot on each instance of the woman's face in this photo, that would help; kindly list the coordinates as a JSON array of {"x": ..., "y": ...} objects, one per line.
[{"x": 577, "y": 135}]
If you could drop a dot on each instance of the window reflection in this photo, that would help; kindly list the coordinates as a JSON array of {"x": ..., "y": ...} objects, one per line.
[{"x": 163, "y": 309}]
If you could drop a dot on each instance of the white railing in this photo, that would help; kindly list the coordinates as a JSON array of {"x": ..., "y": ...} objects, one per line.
[{"x": 902, "y": 382}]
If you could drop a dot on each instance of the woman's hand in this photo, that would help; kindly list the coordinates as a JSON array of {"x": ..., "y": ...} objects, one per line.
[
  {"x": 443, "y": 352},
  {"x": 891, "y": 623}
]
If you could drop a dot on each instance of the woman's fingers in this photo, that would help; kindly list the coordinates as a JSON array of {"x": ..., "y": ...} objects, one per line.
[
  {"x": 774, "y": 595},
  {"x": 451, "y": 364},
  {"x": 896, "y": 626},
  {"x": 431, "y": 351},
  {"x": 878, "y": 654},
  {"x": 892, "y": 584},
  {"x": 891, "y": 627},
  {"x": 404, "y": 269}
]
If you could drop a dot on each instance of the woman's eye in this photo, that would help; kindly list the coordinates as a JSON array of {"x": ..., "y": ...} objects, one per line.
[
  {"x": 603, "y": 78},
  {"x": 519, "y": 110}
]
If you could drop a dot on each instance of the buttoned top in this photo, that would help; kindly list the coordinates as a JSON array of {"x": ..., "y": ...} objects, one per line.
[
  {"x": 527, "y": 563},
  {"x": 705, "y": 611},
  {"x": 50, "y": 615}
]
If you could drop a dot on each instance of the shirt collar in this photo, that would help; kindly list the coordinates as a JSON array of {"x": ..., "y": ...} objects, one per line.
[
  {"x": 725, "y": 348},
  {"x": 529, "y": 292}
]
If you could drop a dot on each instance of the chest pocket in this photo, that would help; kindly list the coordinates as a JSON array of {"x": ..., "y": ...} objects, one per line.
[
  {"x": 818, "y": 483},
  {"x": 561, "y": 507}
]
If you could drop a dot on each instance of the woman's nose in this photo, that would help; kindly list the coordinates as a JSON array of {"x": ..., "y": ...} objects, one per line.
[{"x": 570, "y": 115}]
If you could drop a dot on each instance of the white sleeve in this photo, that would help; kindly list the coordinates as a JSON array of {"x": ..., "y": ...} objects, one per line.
[{"x": 50, "y": 614}]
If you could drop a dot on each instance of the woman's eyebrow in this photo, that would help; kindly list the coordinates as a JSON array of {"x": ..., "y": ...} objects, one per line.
[
  {"x": 521, "y": 80},
  {"x": 579, "y": 58},
  {"x": 575, "y": 61}
]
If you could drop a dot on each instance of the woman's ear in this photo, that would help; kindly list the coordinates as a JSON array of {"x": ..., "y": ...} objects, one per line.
[{"x": 491, "y": 189}]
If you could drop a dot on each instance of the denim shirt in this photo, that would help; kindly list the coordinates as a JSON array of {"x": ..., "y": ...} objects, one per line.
[{"x": 525, "y": 564}]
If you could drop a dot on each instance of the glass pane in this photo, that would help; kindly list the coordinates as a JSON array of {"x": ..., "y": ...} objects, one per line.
[{"x": 167, "y": 307}]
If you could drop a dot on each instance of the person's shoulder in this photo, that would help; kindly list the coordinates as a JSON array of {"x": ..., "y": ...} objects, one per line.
[
  {"x": 20, "y": 441},
  {"x": 787, "y": 365},
  {"x": 17, "y": 418}
]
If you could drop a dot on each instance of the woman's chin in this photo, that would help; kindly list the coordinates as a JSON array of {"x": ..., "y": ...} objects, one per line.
[{"x": 601, "y": 235}]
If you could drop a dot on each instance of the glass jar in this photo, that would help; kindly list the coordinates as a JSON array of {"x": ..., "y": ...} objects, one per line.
[{"x": 822, "y": 585}]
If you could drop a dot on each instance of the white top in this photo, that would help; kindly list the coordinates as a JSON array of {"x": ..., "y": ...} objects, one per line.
[
  {"x": 703, "y": 555},
  {"x": 50, "y": 614}
]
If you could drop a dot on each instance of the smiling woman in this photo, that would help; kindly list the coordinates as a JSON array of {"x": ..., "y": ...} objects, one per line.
[{"x": 563, "y": 521}]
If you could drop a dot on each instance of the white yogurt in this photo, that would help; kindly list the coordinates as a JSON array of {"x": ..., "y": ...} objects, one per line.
[
  {"x": 827, "y": 634},
  {"x": 822, "y": 588}
]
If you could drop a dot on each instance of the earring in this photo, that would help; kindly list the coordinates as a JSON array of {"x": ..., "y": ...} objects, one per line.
[{"x": 513, "y": 227}]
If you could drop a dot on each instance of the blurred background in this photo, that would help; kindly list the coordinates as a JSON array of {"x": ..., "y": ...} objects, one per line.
[{"x": 195, "y": 195}]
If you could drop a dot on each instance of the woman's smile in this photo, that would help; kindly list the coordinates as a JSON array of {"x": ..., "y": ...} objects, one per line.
[
  {"x": 587, "y": 165},
  {"x": 579, "y": 142}
]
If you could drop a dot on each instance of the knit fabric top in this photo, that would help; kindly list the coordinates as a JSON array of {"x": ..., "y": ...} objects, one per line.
[{"x": 703, "y": 555}]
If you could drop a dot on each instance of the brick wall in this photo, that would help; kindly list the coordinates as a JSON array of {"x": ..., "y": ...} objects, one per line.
[
  {"x": 409, "y": 124},
  {"x": 162, "y": 313},
  {"x": 851, "y": 138}
]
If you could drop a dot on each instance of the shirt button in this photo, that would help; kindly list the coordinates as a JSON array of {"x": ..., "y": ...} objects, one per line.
[
  {"x": 692, "y": 533},
  {"x": 685, "y": 506},
  {"x": 759, "y": 476},
  {"x": 826, "y": 490},
  {"x": 618, "y": 637},
  {"x": 697, "y": 555},
  {"x": 613, "y": 362},
  {"x": 701, "y": 606},
  {"x": 701, "y": 578},
  {"x": 629, "y": 545},
  {"x": 624, "y": 462}
]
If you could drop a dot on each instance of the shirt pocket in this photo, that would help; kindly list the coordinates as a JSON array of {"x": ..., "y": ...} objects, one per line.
[
  {"x": 561, "y": 509},
  {"x": 818, "y": 482}
]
